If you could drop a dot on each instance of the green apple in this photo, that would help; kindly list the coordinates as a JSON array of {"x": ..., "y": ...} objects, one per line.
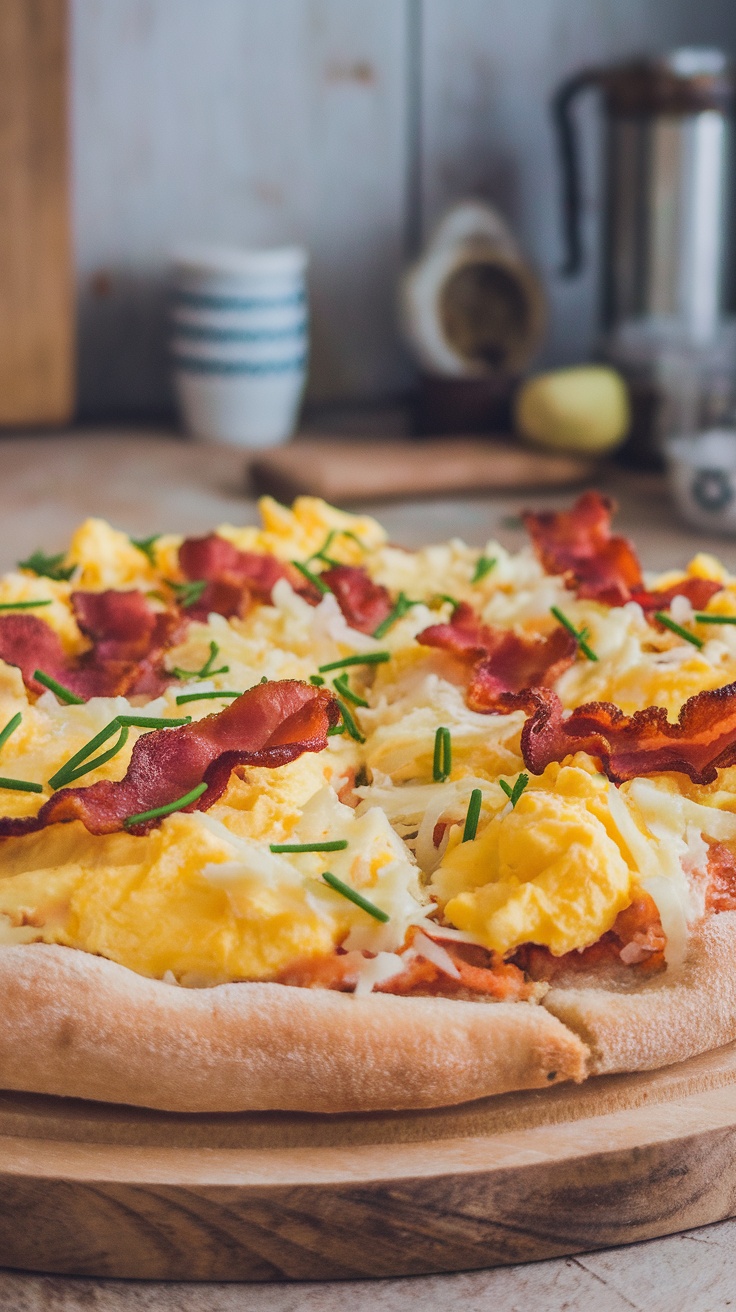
[{"x": 584, "y": 409}]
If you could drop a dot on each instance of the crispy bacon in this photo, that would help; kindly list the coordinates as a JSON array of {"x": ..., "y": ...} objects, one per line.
[
  {"x": 598, "y": 565},
  {"x": 502, "y": 661},
  {"x": 364, "y": 604},
  {"x": 721, "y": 888},
  {"x": 128, "y": 641},
  {"x": 702, "y": 741},
  {"x": 637, "y": 933},
  {"x": 234, "y": 578},
  {"x": 270, "y": 725}
]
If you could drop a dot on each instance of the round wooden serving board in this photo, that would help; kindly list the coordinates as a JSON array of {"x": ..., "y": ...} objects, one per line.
[{"x": 91, "y": 1189}]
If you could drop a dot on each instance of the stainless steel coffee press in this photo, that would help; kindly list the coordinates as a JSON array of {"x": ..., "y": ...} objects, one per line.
[{"x": 668, "y": 178}]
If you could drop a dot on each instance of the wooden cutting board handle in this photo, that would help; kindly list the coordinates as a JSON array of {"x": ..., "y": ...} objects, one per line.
[
  {"x": 354, "y": 470},
  {"x": 36, "y": 270}
]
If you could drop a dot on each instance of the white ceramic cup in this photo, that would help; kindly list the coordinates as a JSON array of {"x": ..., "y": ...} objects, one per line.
[{"x": 239, "y": 340}]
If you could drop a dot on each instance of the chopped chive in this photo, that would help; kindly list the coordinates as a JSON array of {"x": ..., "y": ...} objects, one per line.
[
  {"x": 206, "y": 670},
  {"x": 68, "y": 769},
  {"x": 442, "y": 597},
  {"x": 442, "y": 763},
  {"x": 678, "y": 629},
  {"x": 10, "y": 727},
  {"x": 514, "y": 793},
  {"x": 316, "y": 681},
  {"x": 341, "y": 684},
  {"x": 473, "y": 815},
  {"x": 157, "y": 811},
  {"x": 66, "y": 775},
  {"x": 146, "y": 546},
  {"x": 311, "y": 577},
  {"x": 64, "y": 694},
  {"x": 153, "y": 721},
  {"x": 355, "y": 897},
  {"x": 185, "y": 697},
  {"x": 336, "y": 729},
  {"x": 483, "y": 566},
  {"x": 48, "y": 567},
  {"x": 331, "y": 845},
  {"x": 402, "y": 608},
  {"x": 349, "y": 722},
  {"x": 21, "y": 785},
  {"x": 714, "y": 619},
  {"x": 368, "y": 658},
  {"x": 188, "y": 593},
  {"x": 25, "y": 605},
  {"x": 578, "y": 636}
]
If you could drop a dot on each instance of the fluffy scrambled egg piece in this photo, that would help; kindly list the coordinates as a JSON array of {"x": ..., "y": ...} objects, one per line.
[{"x": 549, "y": 870}]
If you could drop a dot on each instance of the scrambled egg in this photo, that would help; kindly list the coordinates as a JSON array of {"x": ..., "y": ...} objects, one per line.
[{"x": 202, "y": 898}]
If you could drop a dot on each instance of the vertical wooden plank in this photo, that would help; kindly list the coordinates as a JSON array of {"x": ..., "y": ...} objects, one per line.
[
  {"x": 36, "y": 287},
  {"x": 488, "y": 73},
  {"x": 254, "y": 124}
]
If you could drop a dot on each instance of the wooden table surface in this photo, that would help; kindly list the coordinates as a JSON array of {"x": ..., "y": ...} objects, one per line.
[{"x": 150, "y": 481}]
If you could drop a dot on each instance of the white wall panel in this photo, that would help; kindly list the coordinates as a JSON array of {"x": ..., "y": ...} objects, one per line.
[{"x": 243, "y": 121}]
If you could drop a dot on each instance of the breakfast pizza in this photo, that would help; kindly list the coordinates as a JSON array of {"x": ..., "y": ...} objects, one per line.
[{"x": 294, "y": 818}]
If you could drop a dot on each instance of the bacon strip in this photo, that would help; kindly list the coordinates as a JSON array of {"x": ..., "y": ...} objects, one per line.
[
  {"x": 269, "y": 725},
  {"x": 701, "y": 742},
  {"x": 235, "y": 578},
  {"x": 128, "y": 642},
  {"x": 502, "y": 661},
  {"x": 364, "y": 604},
  {"x": 637, "y": 932},
  {"x": 598, "y": 565}
]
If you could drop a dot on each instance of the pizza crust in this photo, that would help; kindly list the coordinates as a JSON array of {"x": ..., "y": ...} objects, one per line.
[
  {"x": 666, "y": 1020},
  {"x": 80, "y": 1026}
]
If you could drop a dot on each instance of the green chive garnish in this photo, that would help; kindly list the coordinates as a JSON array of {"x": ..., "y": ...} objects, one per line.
[
  {"x": 357, "y": 898},
  {"x": 473, "y": 815},
  {"x": 48, "y": 567},
  {"x": 341, "y": 684},
  {"x": 185, "y": 697},
  {"x": 206, "y": 670},
  {"x": 484, "y": 565},
  {"x": 316, "y": 681},
  {"x": 10, "y": 727},
  {"x": 578, "y": 636},
  {"x": 157, "y": 811},
  {"x": 152, "y": 721},
  {"x": 331, "y": 845},
  {"x": 311, "y": 577},
  {"x": 678, "y": 629},
  {"x": 188, "y": 593},
  {"x": 442, "y": 763},
  {"x": 21, "y": 785},
  {"x": 442, "y": 597},
  {"x": 368, "y": 658},
  {"x": 336, "y": 729},
  {"x": 146, "y": 546},
  {"x": 715, "y": 619},
  {"x": 64, "y": 694},
  {"x": 514, "y": 793},
  {"x": 68, "y": 774},
  {"x": 402, "y": 607},
  {"x": 349, "y": 722},
  {"x": 24, "y": 605}
]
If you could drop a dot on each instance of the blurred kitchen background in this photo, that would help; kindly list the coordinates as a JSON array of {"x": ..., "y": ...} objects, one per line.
[
  {"x": 344, "y": 125},
  {"x": 349, "y": 129}
]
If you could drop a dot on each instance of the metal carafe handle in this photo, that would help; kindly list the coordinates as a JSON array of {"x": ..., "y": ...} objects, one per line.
[{"x": 569, "y": 154}]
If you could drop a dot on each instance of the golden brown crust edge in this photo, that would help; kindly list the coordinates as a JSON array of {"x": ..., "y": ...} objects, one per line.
[
  {"x": 667, "y": 1020},
  {"x": 80, "y": 1026}
]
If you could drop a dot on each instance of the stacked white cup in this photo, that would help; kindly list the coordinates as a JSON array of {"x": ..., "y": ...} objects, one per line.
[{"x": 239, "y": 342}]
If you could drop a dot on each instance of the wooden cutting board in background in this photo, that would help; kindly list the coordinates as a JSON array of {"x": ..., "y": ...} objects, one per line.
[
  {"x": 354, "y": 470},
  {"x": 36, "y": 269}
]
